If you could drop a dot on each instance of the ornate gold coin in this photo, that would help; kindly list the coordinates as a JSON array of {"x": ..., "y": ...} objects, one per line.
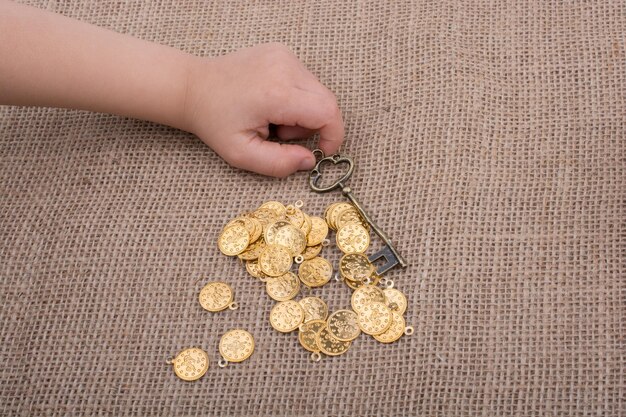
[
  {"x": 365, "y": 295},
  {"x": 216, "y": 296},
  {"x": 331, "y": 213},
  {"x": 355, "y": 267},
  {"x": 315, "y": 272},
  {"x": 286, "y": 316},
  {"x": 319, "y": 231},
  {"x": 329, "y": 345},
  {"x": 353, "y": 238},
  {"x": 306, "y": 225},
  {"x": 191, "y": 364},
  {"x": 287, "y": 235},
  {"x": 311, "y": 252},
  {"x": 295, "y": 216},
  {"x": 264, "y": 215},
  {"x": 284, "y": 287},
  {"x": 350, "y": 215},
  {"x": 307, "y": 336},
  {"x": 395, "y": 331},
  {"x": 253, "y": 251},
  {"x": 343, "y": 325},
  {"x": 236, "y": 345},
  {"x": 275, "y": 260},
  {"x": 375, "y": 318},
  {"x": 254, "y": 269},
  {"x": 314, "y": 309},
  {"x": 276, "y": 207},
  {"x": 395, "y": 300},
  {"x": 233, "y": 240}
]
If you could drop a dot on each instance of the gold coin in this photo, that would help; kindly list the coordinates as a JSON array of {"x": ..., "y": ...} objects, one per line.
[
  {"x": 254, "y": 269},
  {"x": 284, "y": 287},
  {"x": 287, "y": 235},
  {"x": 264, "y": 215},
  {"x": 375, "y": 318},
  {"x": 276, "y": 207},
  {"x": 314, "y": 309},
  {"x": 308, "y": 332},
  {"x": 286, "y": 316},
  {"x": 315, "y": 272},
  {"x": 311, "y": 252},
  {"x": 355, "y": 267},
  {"x": 396, "y": 300},
  {"x": 343, "y": 325},
  {"x": 332, "y": 211},
  {"x": 253, "y": 251},
  {"x": 395, "y": 331},
  {"x": 233, "y": 240},
  {"x": 295, "y": 216},
  {"x": 306, "y": 225},
  {"x": 191, "y": 364},
  {"x": 216, "y": 296},
  {"x": 349, "y": 215},
  {"x": 252, "y": 225},
  {"x": 329, "y": 345},
  {"x": 355, "y": 284},
  {"x": 365, "y": 295},
  {"x": 353, "y": 238},
  {"x": 236, "y": 345},
  {"x": 275, "y": 260},
  {"x": 319, "y": 231}
]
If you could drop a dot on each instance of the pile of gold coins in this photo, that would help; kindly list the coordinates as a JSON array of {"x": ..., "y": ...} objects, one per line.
[{"x": 275, "y": 240}]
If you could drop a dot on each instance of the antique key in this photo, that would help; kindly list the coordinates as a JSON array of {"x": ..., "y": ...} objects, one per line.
[{"x": 389, "y": 252}]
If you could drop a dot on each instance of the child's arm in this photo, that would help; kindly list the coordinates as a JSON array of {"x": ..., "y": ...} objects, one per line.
[{"x": 228, "y": 101}]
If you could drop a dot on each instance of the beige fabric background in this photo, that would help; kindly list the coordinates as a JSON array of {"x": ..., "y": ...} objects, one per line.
[{"x": 489, "y": 139}]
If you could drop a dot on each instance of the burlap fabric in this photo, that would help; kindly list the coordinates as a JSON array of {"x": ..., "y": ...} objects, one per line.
[{"x": 489, "y": 140}]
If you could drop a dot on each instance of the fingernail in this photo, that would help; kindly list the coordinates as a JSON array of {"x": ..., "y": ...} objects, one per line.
[{"x": 307, "y": 163}]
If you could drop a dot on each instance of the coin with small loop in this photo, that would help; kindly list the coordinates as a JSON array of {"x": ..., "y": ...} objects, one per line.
[
  {"x": 319, "y": 231},
  {"x": 315, "y": 272},
  {"x": 299, "y": 203},
  {"x": 217, "y": 296},
  {"x": 190, "y": 364},
  {"x": 353, "y": 238},
  {"x": 275, "y": 260},
  {"x": 314, "y": 308},
  {"x": 355, "y": 284},
  {"x": 234, "y": 240},
  {"x": 236, "y": 345},
  {"x": 397, "y": 298},
  {"x": 356, "y": 267},
  {"x": 287, "y": 235},
  {"x": 276, "y": 207},
  {"x": 375, "y": 318},
  {"x": 365, "y": 295},
  {"x": 311, "y": 252},
  {"x": 395, "y": 331},
  {"x": 329, "y": 345},
  {"x": 284, "y": 287},
  {"x": 286, "y": 316},
  {"x": 307, "y": 336},
  {"x": 343, "y": 325},
  {"x": 295, "y": 216}
]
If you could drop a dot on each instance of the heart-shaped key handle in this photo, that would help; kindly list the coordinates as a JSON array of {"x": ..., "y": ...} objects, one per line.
[{"x": 316, "y": 173}]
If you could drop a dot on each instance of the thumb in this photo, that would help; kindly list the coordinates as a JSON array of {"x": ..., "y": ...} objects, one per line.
[{"x": 275, "y": 159}]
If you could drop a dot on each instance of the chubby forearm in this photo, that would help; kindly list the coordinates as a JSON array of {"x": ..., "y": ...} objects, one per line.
[{"x": 50, "y": 60}]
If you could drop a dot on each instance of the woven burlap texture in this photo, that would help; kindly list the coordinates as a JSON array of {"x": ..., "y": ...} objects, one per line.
[{"x": 489, "y": 138}]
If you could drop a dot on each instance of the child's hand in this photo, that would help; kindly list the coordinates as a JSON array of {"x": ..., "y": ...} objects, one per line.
[{"x": 231, "y": 101}]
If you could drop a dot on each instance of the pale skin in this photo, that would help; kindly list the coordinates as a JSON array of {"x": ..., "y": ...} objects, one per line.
[{"x": 229, "y": 101}]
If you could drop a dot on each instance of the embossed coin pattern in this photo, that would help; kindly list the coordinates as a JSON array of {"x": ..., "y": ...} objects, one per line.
[
  {"x": 343, "y": 325},
  {"x": 286, "y": 316},
  {"x": 319, "y": 231},
  {"x": 375, "y": 318},
  {"x": 233, "y": 240},
  {"x": 191, "y": 364},
  {"x": 284, "y": 287},
  {"x": 216, "y": 296},
  {"x": 355, "y": 267},
  {"x": 353, "y": 238},
  {"x": 236, "y": 345},
  {"x": 307, "y": 336},
  {"x": 329, "y": 345},
  {"x": 314, "y": 308},
  {"x": 315, "y": 272},
  {"x": 275, "y": 260},
  {"x": 395, "y": 331},
  {"x": 395, "y": 299},
  {"x": 365, "y": 295}
]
